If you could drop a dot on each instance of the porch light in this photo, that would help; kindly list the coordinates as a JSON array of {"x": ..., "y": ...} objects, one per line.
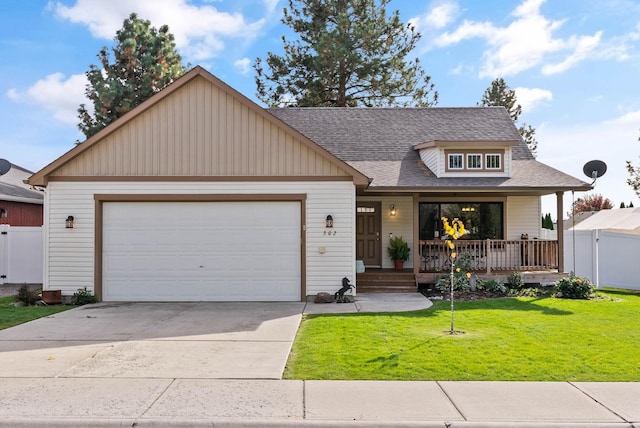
[
  {"x": 329, "y": 221},
  {"x": 392, "y": 210},
  {"x": 68, "y": 223},
  {"x": 3, "y": 212}
]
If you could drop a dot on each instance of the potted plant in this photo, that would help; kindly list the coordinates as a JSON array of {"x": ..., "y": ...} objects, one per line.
[{"x": 398, "y": 251}]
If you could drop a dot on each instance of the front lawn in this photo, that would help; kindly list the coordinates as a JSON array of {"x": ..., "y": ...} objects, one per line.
[
  {"x": 11, "y": 315},
  {"x": 508, "y": 339}
]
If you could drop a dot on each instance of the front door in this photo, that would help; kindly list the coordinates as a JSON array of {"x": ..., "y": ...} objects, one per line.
[{"x": 368, "y": 244}]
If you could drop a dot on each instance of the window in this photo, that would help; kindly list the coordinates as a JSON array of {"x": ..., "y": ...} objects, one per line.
[
  {"x": 365, "y": 209},
  {"x": 456, "y": 161},
  {"x": 493, "y": 161},
  {"x": 474, "y": 161},
  {"x": 483, "y": 220}
]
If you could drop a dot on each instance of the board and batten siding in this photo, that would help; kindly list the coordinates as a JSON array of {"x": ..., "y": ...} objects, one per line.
[
  {"x": 523, "y": 216},
  {"x": 202, "y": 130},
  {"x": 69, "y": 253}
]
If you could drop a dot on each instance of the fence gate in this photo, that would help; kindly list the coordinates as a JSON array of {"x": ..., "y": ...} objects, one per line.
[{"x": 21, "y": 253}]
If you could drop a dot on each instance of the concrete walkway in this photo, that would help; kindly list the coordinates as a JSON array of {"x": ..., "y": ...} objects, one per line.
[{"x": 213, "y": 365}]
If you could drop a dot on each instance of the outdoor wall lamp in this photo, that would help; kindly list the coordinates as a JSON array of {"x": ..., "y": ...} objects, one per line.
[
  {"x": 329, "y": 221},
  {"x": 3, "y": 213},
  {"x": 392, "y": 210},
  {"x": 68, "y": 223}
]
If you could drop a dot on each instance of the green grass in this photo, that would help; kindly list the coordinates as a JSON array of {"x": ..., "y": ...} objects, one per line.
[
  {"x": 11, "y": 315},
  {"x": 524, "y": 339}
]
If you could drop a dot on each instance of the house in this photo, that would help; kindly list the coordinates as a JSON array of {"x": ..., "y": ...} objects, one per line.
[
  {"x": 604, "y": 248},
  {"x": 201, "y": 194},
  {"x": 20, "y": 203}
]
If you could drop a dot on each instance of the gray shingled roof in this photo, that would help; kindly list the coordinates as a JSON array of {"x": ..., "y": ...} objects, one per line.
[
  {"x": 379, "y": 143},
  {"x": 13, "y": 188}
]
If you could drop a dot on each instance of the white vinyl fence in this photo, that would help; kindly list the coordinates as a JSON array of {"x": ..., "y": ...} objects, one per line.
[
  {"x": 21, "y": 255},
  {"x": 606, "y": 257}
]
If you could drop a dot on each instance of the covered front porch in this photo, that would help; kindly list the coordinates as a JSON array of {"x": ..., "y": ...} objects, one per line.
[{"x": 504, "y": 237}]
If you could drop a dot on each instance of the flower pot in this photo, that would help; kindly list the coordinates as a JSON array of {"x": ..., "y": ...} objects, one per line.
[
  {"x": 52, "y": 297},
  {"x": 399, "y": 264}
]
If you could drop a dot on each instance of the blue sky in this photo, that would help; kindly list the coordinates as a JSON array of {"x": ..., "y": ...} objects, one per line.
[{"x": 573, "y": 63}]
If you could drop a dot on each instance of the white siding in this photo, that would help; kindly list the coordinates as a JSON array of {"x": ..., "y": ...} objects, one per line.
[
  {"x": 399, "y": 225},
  {"x": 430, "y": 159},
  {"x": 523, "y": 217},
  {"x": 70, "y": 261}
]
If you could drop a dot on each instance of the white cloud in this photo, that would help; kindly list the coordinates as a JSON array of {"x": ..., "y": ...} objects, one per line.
[
  {"x": 243, "y": 65},
  {"x": 438, "y": 17},
  {"x": 631, "y": 118},
  {"x": 200, "y": 31},
  {"x": 528, "y": 41},
  {"x": 529, "y": 98},
  {"x": 583, "y": 48},
  {"x": 56, "y": 95}
]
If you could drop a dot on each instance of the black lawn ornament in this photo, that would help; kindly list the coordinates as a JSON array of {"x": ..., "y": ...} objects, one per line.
[{"x": 346, "y": 286}]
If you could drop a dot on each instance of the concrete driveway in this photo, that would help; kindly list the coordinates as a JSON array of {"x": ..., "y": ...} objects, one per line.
[{"x": 200, "y": 340}]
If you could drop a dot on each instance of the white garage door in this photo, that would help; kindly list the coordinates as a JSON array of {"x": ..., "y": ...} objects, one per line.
[{"x": 194, "y": 251}]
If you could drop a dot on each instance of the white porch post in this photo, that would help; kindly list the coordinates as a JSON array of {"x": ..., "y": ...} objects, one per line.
[{"x": 560, "y": 230}]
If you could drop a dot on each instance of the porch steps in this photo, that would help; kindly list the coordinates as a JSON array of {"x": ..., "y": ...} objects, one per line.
[{"x": 386, "y": 281}]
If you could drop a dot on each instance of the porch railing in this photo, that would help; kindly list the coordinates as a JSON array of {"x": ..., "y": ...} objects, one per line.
[{"x": 492, "y": 255}]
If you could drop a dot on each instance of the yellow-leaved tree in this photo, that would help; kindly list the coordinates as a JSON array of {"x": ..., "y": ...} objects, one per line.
[{"x": 454, "y": 230}]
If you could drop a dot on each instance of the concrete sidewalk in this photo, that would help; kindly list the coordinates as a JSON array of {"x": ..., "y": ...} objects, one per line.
[
  {"x": 63, "y": 402},
  {"x": 220, "y": 365}
]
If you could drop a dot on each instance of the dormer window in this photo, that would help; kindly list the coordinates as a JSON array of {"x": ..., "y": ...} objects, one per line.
[
  {"x": 456, "y": 161},
  {"x": 474, "y": 161},
  {"x": 493, "y": 161}
]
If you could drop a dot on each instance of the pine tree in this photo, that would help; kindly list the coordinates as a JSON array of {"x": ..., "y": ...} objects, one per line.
[
  {"x": 145, "y": 61},
  {"x": 500, "y": 94},
  {"x": 348, "y": 53}
]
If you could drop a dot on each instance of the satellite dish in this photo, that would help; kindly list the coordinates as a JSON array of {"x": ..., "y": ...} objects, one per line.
[
  {"x": 594, "y": 169},
  {"x": 5, "y": 166}
]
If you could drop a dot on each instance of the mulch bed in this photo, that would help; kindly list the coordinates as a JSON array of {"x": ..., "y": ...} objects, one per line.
[{"x": 462, "y": 295}]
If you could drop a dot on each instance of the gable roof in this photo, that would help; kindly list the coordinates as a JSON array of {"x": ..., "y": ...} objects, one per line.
[
  {"x": 14, "y": 189},
  {"x": 382, "y": 142},
  {"x": 617, "y": 219},
  {"x": 200, "y": 128}
]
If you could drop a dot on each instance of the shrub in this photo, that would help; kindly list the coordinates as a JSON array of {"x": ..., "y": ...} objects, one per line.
[
  {"x": 28, "y": 297},
  {"x": 573, "y": 287},
  {"x": 462, "y": 265},
  {"x": 515, "y": 280},
  {"x": 83, "y": 297},
  {"x": 491, "y": 285}
]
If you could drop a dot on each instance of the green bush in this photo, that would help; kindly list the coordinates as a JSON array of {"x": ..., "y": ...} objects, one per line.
[
  {"x": 491, "y": 285},
  {"x": 573, "y": 287},
  {"x": 83, "y": 297},
  {"x": 462, "y": 265},
  {"x": 28, "y": 297},
  {"x": 515, "y": 280}
]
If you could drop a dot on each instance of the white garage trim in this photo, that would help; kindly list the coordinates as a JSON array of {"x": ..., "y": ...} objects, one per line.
[{"x": 194, "y": 281}]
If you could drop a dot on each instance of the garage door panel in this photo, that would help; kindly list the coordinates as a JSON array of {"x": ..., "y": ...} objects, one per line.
[{"x": 222, "y": 251}]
